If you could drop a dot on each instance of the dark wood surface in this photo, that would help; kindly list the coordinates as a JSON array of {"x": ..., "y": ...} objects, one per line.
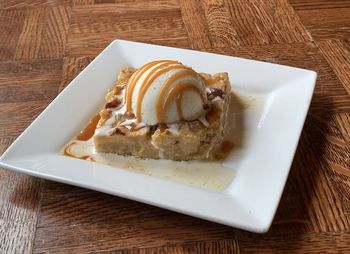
[{"x": 46, "y": 43}]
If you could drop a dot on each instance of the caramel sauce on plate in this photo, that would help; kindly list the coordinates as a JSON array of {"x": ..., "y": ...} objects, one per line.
[
  {"x": 208, "y": 174},
  {"x": 67, "y": 152},
  {"x": 89, "y": 130}
]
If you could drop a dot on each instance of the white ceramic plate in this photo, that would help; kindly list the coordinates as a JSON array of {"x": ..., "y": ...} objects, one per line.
[{"x": 261, "y": 167}]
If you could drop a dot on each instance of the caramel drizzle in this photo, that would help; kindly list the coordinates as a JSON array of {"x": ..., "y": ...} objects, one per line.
[
  {"x": 135, "y": 77},
  {"x": 148, "y": 82},
  {"x": 179, "y": 99},
  {"x": 89, "y": 130},
  {"x": 164, "y": 91},
  {"x": 178, "y": 105},
  {"x": 178, "y": 92},
  {"x": 211, "y": 81}
]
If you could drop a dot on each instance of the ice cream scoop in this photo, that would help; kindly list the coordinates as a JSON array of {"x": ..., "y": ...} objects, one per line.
[{"x": 167, "y": 92}]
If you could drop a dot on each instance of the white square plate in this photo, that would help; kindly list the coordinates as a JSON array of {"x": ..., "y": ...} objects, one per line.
[{"x": 261, "y": 168}]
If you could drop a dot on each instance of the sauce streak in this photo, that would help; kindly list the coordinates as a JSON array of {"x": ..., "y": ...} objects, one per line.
[
  {"x": 177, "y": 92},
  {"x": 208, "y": 174},
  {"x": 148, "y": 82},
  {"x": 135, "y": 77},
  {"x": 89, "y": 130},
  {"x": 160, "y": 109},
  {"x": 156, "y": 69},
  {"x": 132, "y": 82}
]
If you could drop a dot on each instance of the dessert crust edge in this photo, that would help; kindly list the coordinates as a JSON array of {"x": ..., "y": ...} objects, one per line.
[{"x": 191, "y": 141}]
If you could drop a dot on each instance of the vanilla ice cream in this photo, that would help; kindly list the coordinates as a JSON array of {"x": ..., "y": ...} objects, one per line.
[{"x": 165, "y": 92}]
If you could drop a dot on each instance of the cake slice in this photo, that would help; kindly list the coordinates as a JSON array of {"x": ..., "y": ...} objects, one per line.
[{"x": 164, "y": 110}]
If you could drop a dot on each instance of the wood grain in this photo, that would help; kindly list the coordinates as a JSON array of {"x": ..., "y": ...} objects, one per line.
[
  {"x": 266, "y": 22},
  {"x": 18, "y": 189},
  {"x": 19, "y": 116},
  {"x": 195, "y": 23},
  {"x": 312, "y": 178},
  {"x": 106, "y": 22},
  {"x": 26, "y": 4},
  {"x": 327, "y": 23},
  {"x": 11, "y": 24},
  {"x": 221, "y": 28},
  {"x": 44, "y": 44},
  {"x": 76, "y": 215},
  {"x": 44, "y": 33},
  {"x": 72, "y": 66},
  {"x": 29, "y": 80},
  {"x": 19, "y": 208},
  {"x": 310, "y": 243},
  {"x": 338, "y": 163},
  {"x": 220, "y": 246},
  {"x": 337, "y": 53},
  {"x": 27, "y": 86},
  {"x": 318, "y": 4}
]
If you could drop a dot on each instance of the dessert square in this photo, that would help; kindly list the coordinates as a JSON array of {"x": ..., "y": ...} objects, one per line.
[{"x": 181, "y": 115}]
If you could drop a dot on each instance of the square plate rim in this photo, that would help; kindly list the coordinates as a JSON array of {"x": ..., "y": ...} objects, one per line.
[{"x": 258, "y": 229}]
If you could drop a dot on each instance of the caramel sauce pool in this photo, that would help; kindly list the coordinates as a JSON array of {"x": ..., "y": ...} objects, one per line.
[
  {"x": 211, "y": 175},
  {"x": 67, "y": 152}
]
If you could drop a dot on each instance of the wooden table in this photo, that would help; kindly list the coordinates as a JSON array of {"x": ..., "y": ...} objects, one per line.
[{"x": 45, "y": 43}]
